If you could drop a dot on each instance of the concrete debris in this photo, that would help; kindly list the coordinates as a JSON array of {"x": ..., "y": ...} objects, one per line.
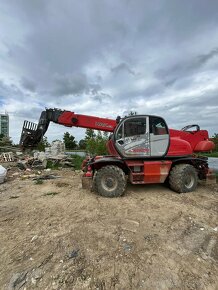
[
  {"x": 38, "y": 164},
  {"x": 25, "y": 166},
  {"x": 27, "y": 176},
  {"x": 37, "y": 274},
  {"x": 32, "y": 163},
  {"x": 44, "y": 177},
  {"x": 22, "y": 165},
  {"x": 17, "y": 281},
  {"x": 34, "y": 238},
  {"x": 127, "y": 247},
  {"x": 130, "y": 225},
  {"x": 14, "y": 196},
  {"x": 56, "y": 150},
  {"x": 74, "y": 254}
]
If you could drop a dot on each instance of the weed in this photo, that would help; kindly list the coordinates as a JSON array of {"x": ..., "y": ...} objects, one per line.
[
  {"x": 77, "y": 161},
  {"x": 62, "y": 184},
  {"x": 52, "y": 193},
  {"x": 53, "y": 165},
  {"x": 38, "y": 181}
]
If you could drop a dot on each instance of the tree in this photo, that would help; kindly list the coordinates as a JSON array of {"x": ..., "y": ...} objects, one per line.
[
  {"x": 90, "y": 141},
  {"x": 69, "y": 141},
  {"x": 90, "y": 133},
  {"x": 5, "y": 141},
  {"x": 215, "y": 140},
  {"x": 82, "y": 144},
  {"x": 101, "y": 144},
  {"x": 96, "y": 144},
  {"x": 106, "y": 134}
]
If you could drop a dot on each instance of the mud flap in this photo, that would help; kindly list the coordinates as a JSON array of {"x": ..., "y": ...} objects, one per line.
[
  {"x": 87, "y": 182},
  {"x": 211, "y": 177}
]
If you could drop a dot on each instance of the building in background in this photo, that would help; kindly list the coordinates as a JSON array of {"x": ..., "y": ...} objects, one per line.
[{"x": 4, "y": 124}]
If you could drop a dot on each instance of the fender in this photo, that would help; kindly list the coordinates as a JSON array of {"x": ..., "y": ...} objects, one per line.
[
  {"x": 193, "y": 160},
  {"x": 200, "y": 163},
  {"x": 96, "y": 164}
]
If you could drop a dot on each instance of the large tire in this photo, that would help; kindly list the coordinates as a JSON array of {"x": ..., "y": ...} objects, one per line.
[
  {"x": 183, "y": 178},
  {"x": 110, "y": 181}
]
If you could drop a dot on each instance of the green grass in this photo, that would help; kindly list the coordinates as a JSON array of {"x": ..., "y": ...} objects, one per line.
[
  {"x": 77, "y": 161},
  {"x": 52, "y": 165},
  {"x": 212, "y": 154}
]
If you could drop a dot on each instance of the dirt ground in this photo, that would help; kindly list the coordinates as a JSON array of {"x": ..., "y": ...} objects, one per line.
[{"x": 56, "y": 235}]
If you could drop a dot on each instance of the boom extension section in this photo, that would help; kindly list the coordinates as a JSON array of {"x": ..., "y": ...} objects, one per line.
[{"x": 32, "y": 133}]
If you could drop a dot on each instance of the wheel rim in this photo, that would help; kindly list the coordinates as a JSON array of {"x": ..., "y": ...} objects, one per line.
[
  {"x": 189, "y": 181},
  {"x": 109, "y": 183}
]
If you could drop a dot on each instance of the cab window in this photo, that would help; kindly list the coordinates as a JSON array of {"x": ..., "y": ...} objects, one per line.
[
  {"x": 120, "y": 132},
  {"x": 135, "y": 126},
  {"x": 158, "y": 126}
]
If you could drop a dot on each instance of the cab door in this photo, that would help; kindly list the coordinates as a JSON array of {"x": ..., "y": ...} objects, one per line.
[
  {"x": 132, "y": 138},
  {"x": 159, "y": 136}
]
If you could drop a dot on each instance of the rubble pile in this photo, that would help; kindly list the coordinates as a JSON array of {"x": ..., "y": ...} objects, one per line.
[
  {"x": 55, "y": 151},
  {"x": 26, "y": 166}
]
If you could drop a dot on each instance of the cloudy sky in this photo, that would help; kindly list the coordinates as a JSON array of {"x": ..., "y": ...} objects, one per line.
[{"x": 106, "y": 58}]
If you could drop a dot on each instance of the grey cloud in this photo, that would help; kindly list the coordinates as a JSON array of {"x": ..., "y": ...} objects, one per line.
[
  {"x": 63, "y": 38},
  {"x": 184, "y": 68},
  {"x": 153, "y": 90},
  {"x": 76, "y": 84},
  {"x": 123, "y": 67},
  {"x": 10, "y": 91},
  {"x": 66, "y": 85},
  {"x": 113, "y": 54},
  {"x": 101, "y": 97},
  {"x": 28, "y": 84},
  {"x": 205, "y": 57},
  {"x": 196, "y": 103},
  {"x": 94, "y": 88},
  {"x": 31, "y": 113}
]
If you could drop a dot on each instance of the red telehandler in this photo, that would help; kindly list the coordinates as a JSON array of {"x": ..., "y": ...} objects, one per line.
[{"x": 142, "y": 150}]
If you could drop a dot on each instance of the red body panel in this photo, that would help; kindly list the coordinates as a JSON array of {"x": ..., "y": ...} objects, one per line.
[
  {"x": 185, "y": 143},
  {"x": 204, "y": 146},
  {"x": 156, "y": 171},
  {"x": 148, "y": 171},
  {"x": 111, "y": 148},
  {"x": 179, "y": 147},
  {"x": 70, "y": 119}
]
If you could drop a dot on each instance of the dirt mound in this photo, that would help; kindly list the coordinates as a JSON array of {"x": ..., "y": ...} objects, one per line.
[{"x": 55, "y": 235}]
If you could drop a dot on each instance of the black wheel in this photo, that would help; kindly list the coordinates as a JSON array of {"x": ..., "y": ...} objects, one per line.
[
  {"x": 183, "y": 178},
  {"x": 110, "y": 181}
]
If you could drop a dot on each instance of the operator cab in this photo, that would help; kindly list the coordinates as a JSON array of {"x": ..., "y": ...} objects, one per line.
[{"x": 142, "y": 136}]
